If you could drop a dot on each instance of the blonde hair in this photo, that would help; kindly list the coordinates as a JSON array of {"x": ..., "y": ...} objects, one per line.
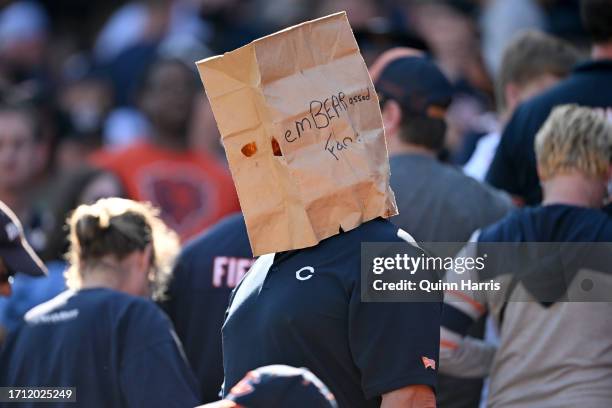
[
  {"x": 118, "y": 227},
  {"x": 529, "y": 56},
  {"x": 574, "y": 138}
]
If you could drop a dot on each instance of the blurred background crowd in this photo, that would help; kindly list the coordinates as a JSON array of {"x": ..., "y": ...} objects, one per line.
[
  {"x": 102, "y": 99},
  {"x": 80, "y": 74}
]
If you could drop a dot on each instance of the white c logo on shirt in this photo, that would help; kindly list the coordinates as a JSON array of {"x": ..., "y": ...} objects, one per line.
[{"x": 302, "y": 277}]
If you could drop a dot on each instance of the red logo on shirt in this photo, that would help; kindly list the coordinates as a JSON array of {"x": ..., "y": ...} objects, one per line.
[
  {"x": 428, "y": 363},
  {"x": 180, "y": 200}
]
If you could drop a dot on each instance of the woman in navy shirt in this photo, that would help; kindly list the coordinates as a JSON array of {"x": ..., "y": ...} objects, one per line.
[{"x": 104, "y": 336}]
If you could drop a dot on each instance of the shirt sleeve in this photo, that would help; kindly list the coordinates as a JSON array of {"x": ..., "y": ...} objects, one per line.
[
  {"x": 472, "y": 358},
  {"x": 394, "y": 345},
  {"x": 154, "y": 371},
  {"x": 459, "y": 355}
]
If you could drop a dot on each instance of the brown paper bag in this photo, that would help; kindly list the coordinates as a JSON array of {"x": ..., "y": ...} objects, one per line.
[{"x": 302, "y": 129}]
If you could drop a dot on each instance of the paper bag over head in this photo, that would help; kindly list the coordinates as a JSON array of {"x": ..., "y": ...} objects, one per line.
[{"x": 302, "y": 129}]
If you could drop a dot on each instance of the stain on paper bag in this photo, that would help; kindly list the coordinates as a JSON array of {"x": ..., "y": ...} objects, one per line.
[{"x": 301, "y": 126}]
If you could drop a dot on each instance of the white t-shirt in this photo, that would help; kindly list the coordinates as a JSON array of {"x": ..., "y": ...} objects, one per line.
[{"x": 481, "y": 159}]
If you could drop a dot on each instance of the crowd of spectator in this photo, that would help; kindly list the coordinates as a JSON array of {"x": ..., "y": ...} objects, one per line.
[{"x": 101, "y": 99}]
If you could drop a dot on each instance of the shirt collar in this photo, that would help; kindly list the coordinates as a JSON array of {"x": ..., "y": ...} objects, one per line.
[
  {"x": 594, "y": 65},
  {"x": 282, "y": 256}
]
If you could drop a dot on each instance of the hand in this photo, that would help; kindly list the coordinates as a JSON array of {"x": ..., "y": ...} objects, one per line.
[{"x": 412, "y": 396}]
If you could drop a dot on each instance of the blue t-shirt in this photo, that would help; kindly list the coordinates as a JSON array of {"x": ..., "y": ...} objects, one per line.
[
  {"x": 551, "y": 223},
  {"x": 117, "y": 350},
  {"x": 303, "y": 308},
  {"x": 514, "y": 167},
  {"x": 207, "y": 270}
]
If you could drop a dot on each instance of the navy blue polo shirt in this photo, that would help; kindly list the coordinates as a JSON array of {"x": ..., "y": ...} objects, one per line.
[
  {"x": 303, "y": 308},
  {"x": 514, "y": 166},
  {"x": 208, "y": 269},
  {"x": 117, "y": 350}
]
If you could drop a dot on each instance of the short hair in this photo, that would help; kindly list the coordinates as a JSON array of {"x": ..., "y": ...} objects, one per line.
[
  {"x": 118, "y": 227},
  {"x": 530, "y": 55},
  {"x": 423, "y": 131},
  {"x": 597, "y": 19},
  {"x": 27, "y": 111},
  {"x": 574, "y": 138},
  {"x": 145, "y": 79}
]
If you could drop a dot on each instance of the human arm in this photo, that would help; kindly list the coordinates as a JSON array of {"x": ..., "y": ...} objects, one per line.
[
  {"x": 413, "y": 396},
  {"x": 461, "y": 355},
  {"x": 394, "y": 344}
]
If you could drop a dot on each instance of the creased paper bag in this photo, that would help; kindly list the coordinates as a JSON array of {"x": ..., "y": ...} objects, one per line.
[{"x": 302, "y": 129}]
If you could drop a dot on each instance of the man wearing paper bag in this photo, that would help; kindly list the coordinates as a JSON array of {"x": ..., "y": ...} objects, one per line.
[{"x": 303, "y": 134}]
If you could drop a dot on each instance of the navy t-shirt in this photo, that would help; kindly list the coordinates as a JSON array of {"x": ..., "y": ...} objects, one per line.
[
  {"x": 514, "y": 166},
  {"x": 117, "y": 350},
  {"x": 551, "y": 223},
  {"x": 207, "y": 270},
  {"x": 303, "y": 308}
]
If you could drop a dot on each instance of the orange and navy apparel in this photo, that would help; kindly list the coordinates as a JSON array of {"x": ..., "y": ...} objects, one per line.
[
  {"x": 462, "y": 308},
  {"x": 542, "y": 334},
  {"x": 192, "y": 189},
  {"x": 278, "y": 386},
  {"x": 281, "y": 385}
]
